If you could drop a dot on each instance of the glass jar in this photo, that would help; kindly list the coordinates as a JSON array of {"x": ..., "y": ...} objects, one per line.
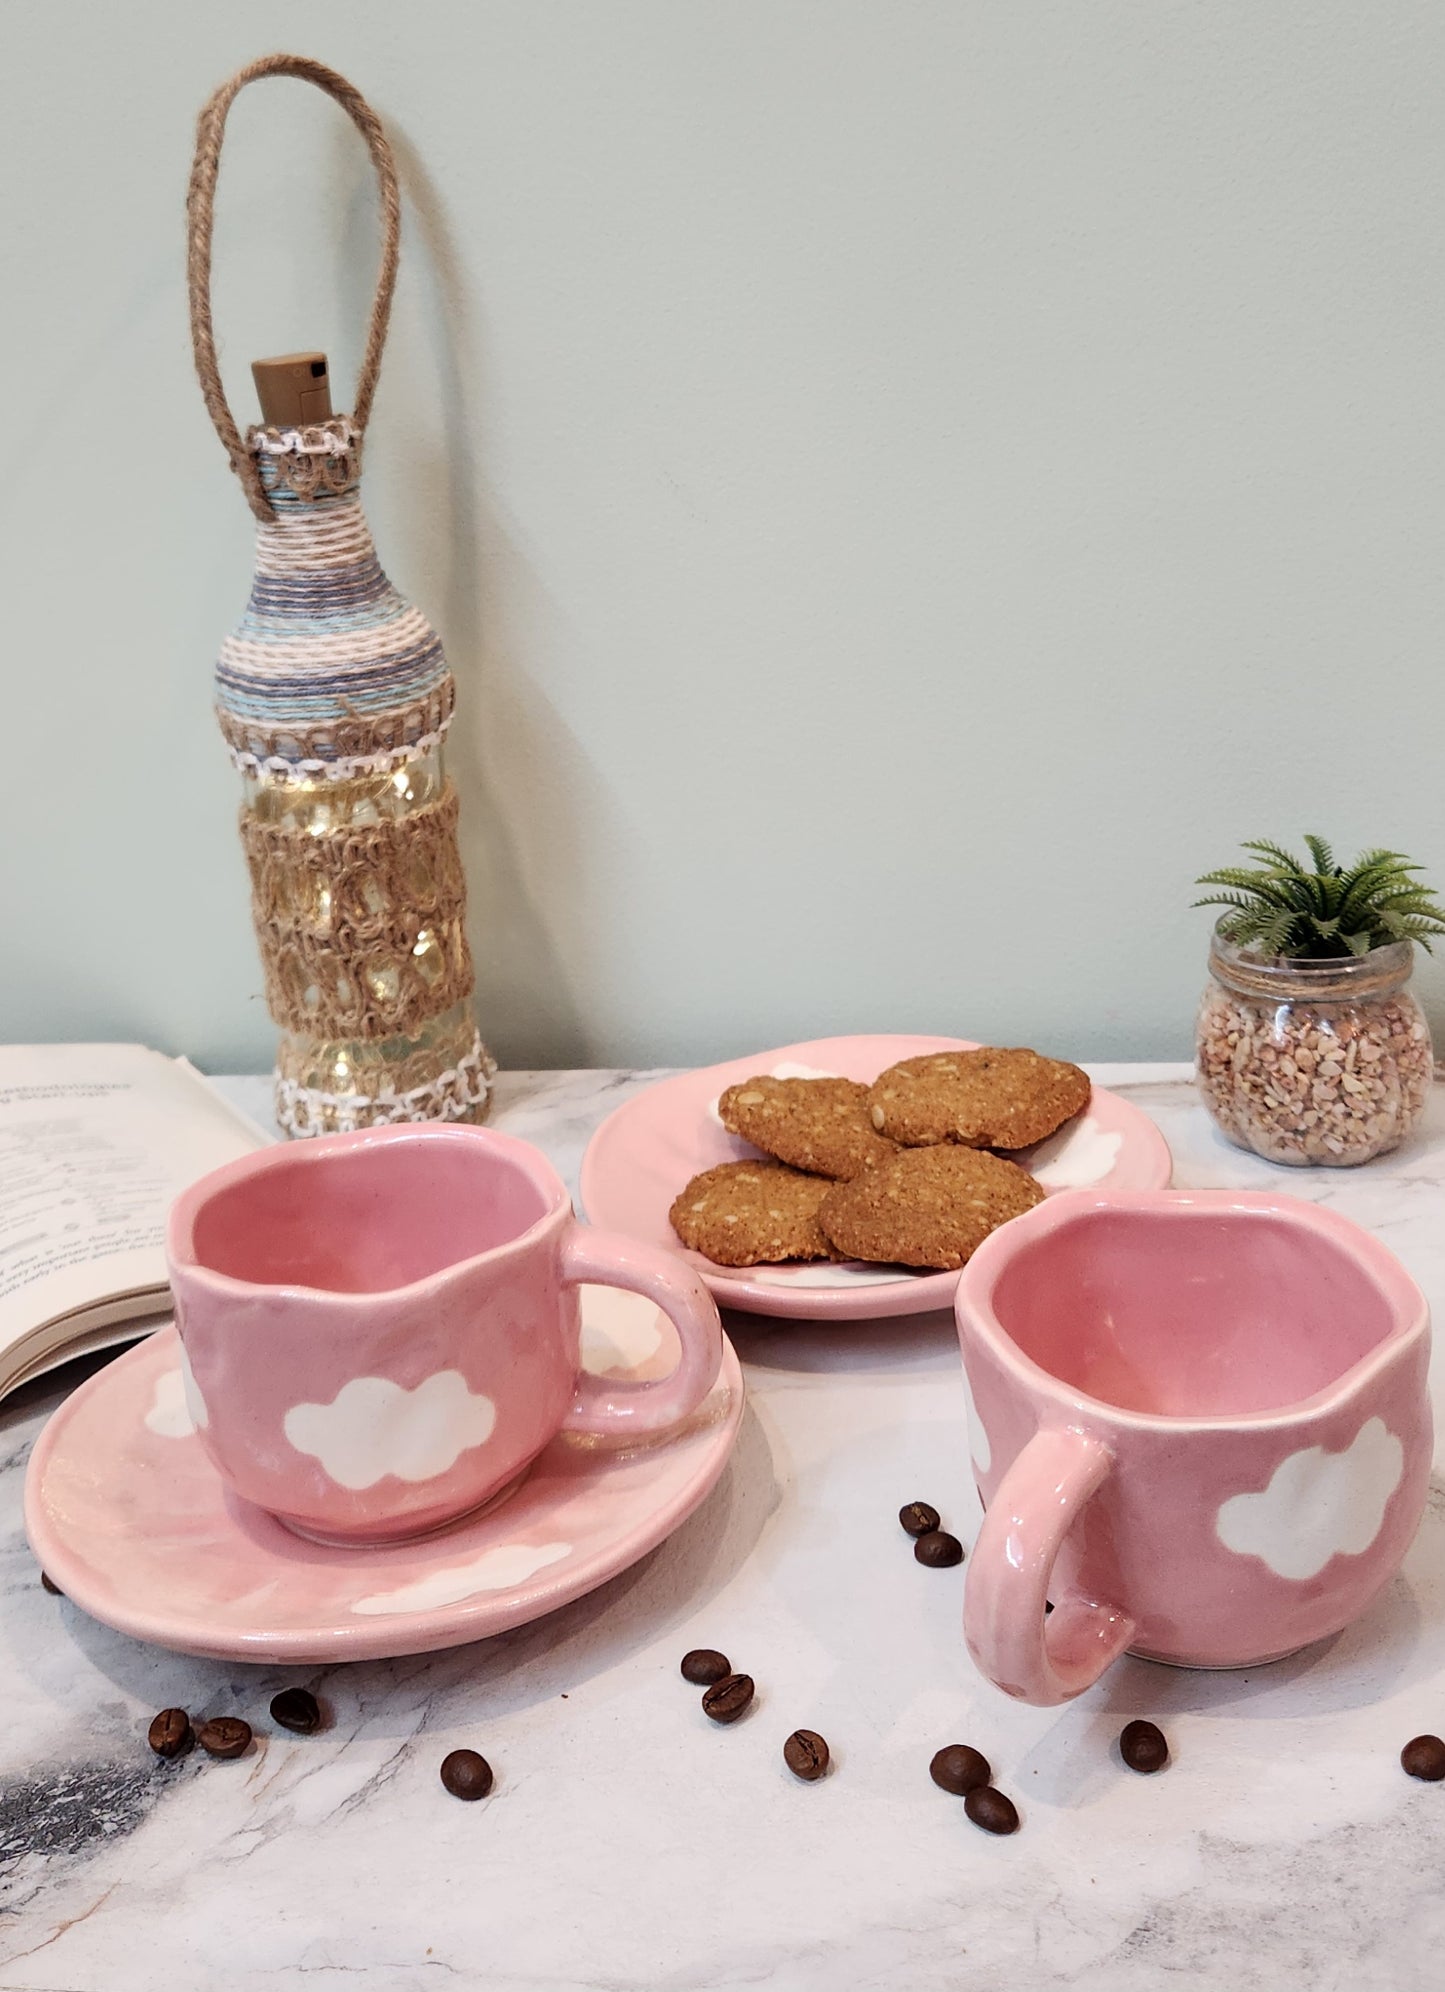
[{"x": 1313, "y": 1062}]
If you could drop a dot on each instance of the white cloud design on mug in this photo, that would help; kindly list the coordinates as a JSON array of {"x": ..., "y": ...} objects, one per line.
[
  {"x": 169, "y": 1414},
  {"x": 178, "y": 1409},
  {"x": 374, "y": 1427},
  {"x": 980, "y": 1451},
  {"x": 1317, "y": 1504},
  {"x": 195, "y": 1403}
]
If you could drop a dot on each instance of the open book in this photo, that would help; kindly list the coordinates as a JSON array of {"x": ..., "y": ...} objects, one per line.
[{"x": 95, "y": 1141}]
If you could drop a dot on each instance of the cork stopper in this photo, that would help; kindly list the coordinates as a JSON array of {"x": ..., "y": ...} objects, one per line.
[{"x": 294, "y": 389}]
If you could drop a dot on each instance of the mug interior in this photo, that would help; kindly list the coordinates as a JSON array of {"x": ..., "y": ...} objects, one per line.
[
  {"x": 369, "y": 1218},
  {"x": 1186, "y": 1313}
]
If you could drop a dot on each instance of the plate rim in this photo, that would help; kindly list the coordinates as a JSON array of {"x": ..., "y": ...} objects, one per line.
[
  {"x": 934, "y": 1291},
  {"x": 327, "y": 1643}
]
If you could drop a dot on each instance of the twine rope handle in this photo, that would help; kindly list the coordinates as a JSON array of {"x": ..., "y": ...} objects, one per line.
[{"x": 200, "y": 217}]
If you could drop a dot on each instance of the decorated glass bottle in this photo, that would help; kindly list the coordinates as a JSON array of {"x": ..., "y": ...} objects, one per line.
[{"x": 334, "y": 697}]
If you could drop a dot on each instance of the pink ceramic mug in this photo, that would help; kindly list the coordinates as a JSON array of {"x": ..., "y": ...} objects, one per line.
[
  {"x": 380, "y": 1331},
  {"x": 1199, "y": 1425}
]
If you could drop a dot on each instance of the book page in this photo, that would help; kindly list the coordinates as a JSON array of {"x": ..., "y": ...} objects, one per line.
[{"x": 95, "y": 1143}]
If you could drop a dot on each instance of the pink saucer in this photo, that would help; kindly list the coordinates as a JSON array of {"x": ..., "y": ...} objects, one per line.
[
  {"x": 128, "y": 1516},
  {"x": 642, "y": 1155}
]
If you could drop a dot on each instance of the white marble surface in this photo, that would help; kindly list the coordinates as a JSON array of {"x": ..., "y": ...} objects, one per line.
[{"x": 631, "y": 1845}]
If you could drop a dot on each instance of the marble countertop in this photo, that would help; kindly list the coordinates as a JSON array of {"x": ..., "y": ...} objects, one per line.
[{"x": 629, "y": 1844}]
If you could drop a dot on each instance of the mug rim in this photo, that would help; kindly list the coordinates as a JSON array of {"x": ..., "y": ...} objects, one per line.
[
  {"x": 974, "y": 1310},
  {"x": 180, "y": 1247}
]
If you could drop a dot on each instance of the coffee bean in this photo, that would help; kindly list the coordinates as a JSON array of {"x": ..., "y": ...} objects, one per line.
[
  {"x": 170, "y": 1733},
  {"x": 938, "y": 1549},
  {"x": 466, "y": 1775},
  {"x": 297, "y": 1709},
  {"x": 48, "y": 1583},
  {"x": 1424, "y": 1757},
  {"x": 224, "y": 1736},
  {"x": 704, "y": 1665},
  {"x": 1143, "y": 1748},
  {"x": 960, "y": 1770},
  {"x": 918, "y": 1518},
  {"x": 806, "y": 1755},
  {"x": 991, "y": 1810},
  {"x": 728, "y": 1698}
]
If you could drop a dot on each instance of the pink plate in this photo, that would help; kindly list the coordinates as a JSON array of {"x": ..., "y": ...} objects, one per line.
[
  {"x": 129, "y": 1517},
  {"x": 643, "y": 1153}
]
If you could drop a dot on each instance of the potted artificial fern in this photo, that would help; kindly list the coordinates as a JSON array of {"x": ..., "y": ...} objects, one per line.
[{"x": 1311, "y": 1047}]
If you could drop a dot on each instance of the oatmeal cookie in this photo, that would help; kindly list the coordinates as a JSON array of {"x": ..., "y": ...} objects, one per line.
[
  {"x": 752, "y": 1214},
  {"x": 821, "y": 1125},
  {"x": 926, "y": 1206},
  {"x": 989, "y": 1098}
]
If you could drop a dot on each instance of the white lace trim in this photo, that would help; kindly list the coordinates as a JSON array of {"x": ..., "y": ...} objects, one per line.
[
  {"x": 458, "y": 1091},
  {"x": 337, "y": 437},
  {"x": 343, "y": 770}
]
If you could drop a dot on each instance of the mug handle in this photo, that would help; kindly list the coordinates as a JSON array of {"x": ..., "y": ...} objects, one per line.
[
  {"x": 1039, "y": 1658},
  {"x": 606, "y": 1405}
]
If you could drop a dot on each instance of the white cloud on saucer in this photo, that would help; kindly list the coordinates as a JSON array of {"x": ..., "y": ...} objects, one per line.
[
  {"x": 1317, "y": 1504},
  {"x": 827, "y": 1275},
  {"x": 620, "y": 1330},
  {"x": 1076, "y": 1158},
  {"x": 373, "y": 1427},
  {"x": 496, "y": 1569}
]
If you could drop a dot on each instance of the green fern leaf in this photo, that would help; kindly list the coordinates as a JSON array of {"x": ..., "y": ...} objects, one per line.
[
  {"x": 1284, "y": 860},
  {"x": 1323, "y": 856}
]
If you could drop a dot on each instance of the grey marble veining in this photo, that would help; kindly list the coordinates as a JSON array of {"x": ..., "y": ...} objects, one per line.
[{"x": 629, "y": 1845}]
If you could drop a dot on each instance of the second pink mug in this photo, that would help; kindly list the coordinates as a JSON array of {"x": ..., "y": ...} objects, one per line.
[
  {"x": 380, "y": 1331},
  {"x": 1200, "y": 1428}
]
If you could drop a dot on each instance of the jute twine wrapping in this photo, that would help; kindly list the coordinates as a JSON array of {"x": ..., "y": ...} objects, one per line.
[
  {"x": 200, "y": 216},
  {"x": 332, "y": 679},
  {"x": 339, "y": 918},
  {"x": 329, "y": 674}
]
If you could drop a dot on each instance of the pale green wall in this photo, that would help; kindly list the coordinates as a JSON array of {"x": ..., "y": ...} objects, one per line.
[{"x": 903, "y": 487}]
